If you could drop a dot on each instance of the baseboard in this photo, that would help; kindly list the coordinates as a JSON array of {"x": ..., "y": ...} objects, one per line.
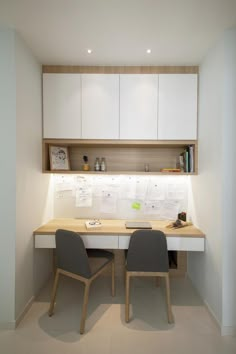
[
  {"x": 228, "y": 331},
  {"x": 23, "y": 313},
  {"x": 212, "y": 314}
]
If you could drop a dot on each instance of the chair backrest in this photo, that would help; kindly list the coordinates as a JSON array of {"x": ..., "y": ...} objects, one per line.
[
  {"x": 147, "y": 252},
  {"x": 71, "y": 254}
]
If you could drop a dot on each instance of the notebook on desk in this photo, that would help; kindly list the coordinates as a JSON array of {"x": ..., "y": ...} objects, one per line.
[{"x": 138, "y": 225}]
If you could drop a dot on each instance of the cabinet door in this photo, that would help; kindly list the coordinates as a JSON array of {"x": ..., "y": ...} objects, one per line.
[
  {"x": 62, "y": 106},
  {"x": 100, "y": 106},
  {"x": 177, "y": 107},
  {"x": 138, "y": 106}
]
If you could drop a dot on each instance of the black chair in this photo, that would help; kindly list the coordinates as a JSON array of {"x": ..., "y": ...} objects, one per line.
[
  {"x": 147, "y": 256},
  {"x": 74, "y": 261}
]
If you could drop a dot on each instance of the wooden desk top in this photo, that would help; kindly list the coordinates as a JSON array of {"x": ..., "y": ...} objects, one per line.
[{"x": 113, "y": 227}]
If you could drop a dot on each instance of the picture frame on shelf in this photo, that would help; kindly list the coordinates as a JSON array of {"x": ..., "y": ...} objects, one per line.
[{"x": 59, "y": 158}]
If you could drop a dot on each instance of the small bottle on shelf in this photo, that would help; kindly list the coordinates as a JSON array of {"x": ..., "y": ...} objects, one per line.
[
  {"x": 97, "y": 164},
  {"x": 103, "y": 164}
]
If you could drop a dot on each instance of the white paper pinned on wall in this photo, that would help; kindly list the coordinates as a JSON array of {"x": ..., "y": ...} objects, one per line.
[
  {"x": 152, "y": 207},
  {"x": 141, "y": 188},
  {"x": 128, "y": 187},
  {"x": 156, "y": 190},
  {"x": 64, "y": 183},
  {"x": 83, "y": 192},
  {"x": 108, "y": 202},
  {"x": 176, "y": 191},
  {"x": 170, "y": 210}
]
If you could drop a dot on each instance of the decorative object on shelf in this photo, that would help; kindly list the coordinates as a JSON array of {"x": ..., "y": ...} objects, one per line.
[
  {"x": 97, "y": 164},
  {"x": 59, "y": 158},
  {"x": 103, "y": 166},
  {"x": 146, "y": 167},
  {"x": 85, "y": 165}
]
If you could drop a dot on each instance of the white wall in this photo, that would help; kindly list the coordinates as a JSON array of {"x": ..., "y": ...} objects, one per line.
[
  {"x": 213, "y": 189},
  {"x": 31, "y": 185},
  {"x": 7, "y": 178},
  {"x": 229, "y": 180},
  {"x": 25, "y": 192}
]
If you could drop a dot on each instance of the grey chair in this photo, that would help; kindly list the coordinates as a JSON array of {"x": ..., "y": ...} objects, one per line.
[
  {"x": 148, "y": 256},
  {"x": 74, "y": 261}
]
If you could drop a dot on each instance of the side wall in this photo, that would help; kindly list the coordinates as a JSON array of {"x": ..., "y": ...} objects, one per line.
[
  {"x": 229, "y": 196},
  {"x": 32, "y": 187},
  {"x": 7, "y": 185},
  {"x": 205, "y": 270}
]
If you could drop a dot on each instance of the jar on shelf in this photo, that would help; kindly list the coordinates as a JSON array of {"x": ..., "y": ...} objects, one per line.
[
  {"x": 97, "y": 164},
  {"x": 103, "y": 164}
]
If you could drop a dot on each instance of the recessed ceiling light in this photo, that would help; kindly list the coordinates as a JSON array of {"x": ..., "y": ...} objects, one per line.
[
  {"x": 148, "y": 51},
  {"x": 89, "y": 51}
]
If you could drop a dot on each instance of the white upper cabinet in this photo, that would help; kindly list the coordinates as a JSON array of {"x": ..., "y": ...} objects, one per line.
[
  {"x": 177, "y": 107},
  {"x": 100, "y": 106},
  {"x": 62, "y": 106},
  {"x": 138, "y": 106}
]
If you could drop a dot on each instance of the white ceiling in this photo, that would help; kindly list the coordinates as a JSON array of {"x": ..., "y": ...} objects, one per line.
[{"x": 179, "y": 32}]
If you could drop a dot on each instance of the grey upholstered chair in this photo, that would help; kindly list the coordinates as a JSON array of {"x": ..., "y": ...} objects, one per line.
[
  {"x": 74, "y": 261},
  {"x": 147, "y": 256}
]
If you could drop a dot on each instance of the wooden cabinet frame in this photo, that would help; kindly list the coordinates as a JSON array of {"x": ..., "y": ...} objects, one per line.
[{"x": 122, "y": 156}]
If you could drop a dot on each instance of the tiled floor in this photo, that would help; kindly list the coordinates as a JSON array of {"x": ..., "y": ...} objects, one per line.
[{"x": 106, "y": 332}]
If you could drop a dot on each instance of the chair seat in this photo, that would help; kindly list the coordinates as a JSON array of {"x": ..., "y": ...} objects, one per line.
[{"x": 98, "y": 258}]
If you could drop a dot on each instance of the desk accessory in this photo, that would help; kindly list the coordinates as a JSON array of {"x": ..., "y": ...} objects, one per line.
[
  {"x": 93, "y": 224},
  {"x": 178, "y": 224},
  {"x": 138, "y": 225}
]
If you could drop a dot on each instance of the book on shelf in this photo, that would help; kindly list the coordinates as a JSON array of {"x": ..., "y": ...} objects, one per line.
[
  {"x": 186, "y": 159},
  {"x": 170, "y": 170}
]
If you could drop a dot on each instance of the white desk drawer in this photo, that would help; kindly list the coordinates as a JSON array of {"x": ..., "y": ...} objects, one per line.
[
  {"x": 173, "y": 243},
  {"x": 185, "y": 244},
  {"x": 90, "y": 241},
  {"x": 45, "y": 241},
  {"x": 99, "y": 241}
]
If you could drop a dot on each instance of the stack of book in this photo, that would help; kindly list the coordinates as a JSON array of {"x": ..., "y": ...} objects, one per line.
[{"x": 186, "y": 159}]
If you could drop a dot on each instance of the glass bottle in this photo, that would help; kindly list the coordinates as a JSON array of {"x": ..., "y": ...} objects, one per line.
[
  {"x": 103, "y": 164},
  {"x": 97, "y": 164}
]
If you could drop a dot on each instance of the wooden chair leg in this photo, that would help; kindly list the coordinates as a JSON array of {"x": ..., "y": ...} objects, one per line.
[
  {"x": 127, "y": 285},
  {"x": 85, "y": 305},
  {"x": 54, "y": 292},
  {"x": 169, "y": 311},
  {"x": 113, "y": 278}
]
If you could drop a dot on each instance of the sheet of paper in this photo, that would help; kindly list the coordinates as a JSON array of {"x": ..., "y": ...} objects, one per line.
[
  {"x": 83, "y": 192},
  {"x": 152, "y": 207},
  {"x": 156, "y": 190},
  {"x": 141, "y": 187},
  {"x": 64, "y": 183},
  {"x": 170, "y": 210},
  {"x": 109, "y": 202},
  {"x": 176, "y": 191},
  {"x": 128, "y": 187}
]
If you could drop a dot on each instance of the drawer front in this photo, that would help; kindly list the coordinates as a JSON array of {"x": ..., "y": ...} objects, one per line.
[
  {"x": 124, "y": 242},
  {"x": 97, "y": 241},
  {"x": 185, "y": 244},
  {"x": 45, "y": 241},
  {"x": 90, "y": 241},
  {"x": 173, "y": 243}
]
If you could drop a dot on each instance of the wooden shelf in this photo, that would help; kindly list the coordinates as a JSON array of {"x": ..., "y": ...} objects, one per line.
[{"x": 122, "y": 156}]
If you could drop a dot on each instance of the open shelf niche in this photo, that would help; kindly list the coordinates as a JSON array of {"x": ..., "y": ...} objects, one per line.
[{"x": 122, "y": 156}]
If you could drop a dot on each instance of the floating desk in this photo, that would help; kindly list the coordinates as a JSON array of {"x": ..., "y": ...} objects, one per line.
[{"x": 114, "y": 235}]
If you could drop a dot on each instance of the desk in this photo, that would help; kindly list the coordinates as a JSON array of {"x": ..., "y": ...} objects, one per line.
[{"x": 114, "y": 235}]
